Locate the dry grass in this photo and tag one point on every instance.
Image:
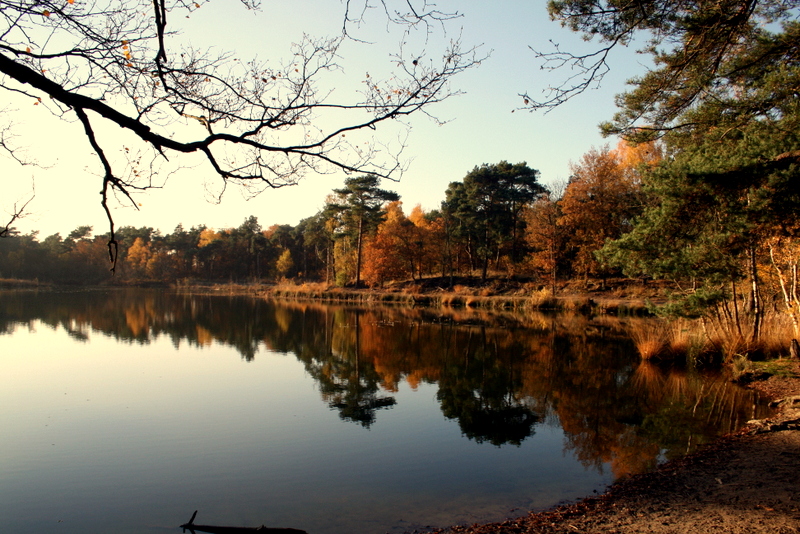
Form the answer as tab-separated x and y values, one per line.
575	303
693	338
412	289
305	287
542	299
486	292
452	300
686	338
739	366
773	340
776	334
649	336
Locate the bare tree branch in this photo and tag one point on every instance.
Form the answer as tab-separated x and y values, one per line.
17	212
257	124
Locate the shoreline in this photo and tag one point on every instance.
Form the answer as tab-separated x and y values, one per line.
495	295
745	482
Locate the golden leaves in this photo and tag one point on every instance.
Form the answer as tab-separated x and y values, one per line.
127	52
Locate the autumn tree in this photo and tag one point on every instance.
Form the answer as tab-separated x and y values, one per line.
599	204
403	247
241	253
138	256
784	258
429	241
256	124
359	206
285	263
284	239
547	238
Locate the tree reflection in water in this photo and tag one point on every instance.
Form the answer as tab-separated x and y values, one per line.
498	376
346	382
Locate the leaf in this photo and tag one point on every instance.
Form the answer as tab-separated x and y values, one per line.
28	49
70	2
46	13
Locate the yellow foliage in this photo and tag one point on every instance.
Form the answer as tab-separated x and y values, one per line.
207	237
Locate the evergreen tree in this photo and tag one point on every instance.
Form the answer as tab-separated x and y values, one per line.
359	205
486	210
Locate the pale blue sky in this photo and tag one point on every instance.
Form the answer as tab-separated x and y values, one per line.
481	127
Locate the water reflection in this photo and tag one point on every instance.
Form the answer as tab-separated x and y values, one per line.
497	376
347	380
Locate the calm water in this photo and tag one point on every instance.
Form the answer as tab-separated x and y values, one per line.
125	411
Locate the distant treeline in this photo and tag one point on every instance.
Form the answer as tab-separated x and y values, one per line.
499	219
727	246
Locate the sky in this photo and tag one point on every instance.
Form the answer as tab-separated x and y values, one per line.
482	125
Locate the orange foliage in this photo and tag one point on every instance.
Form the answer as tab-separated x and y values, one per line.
207	236
401	249
600	202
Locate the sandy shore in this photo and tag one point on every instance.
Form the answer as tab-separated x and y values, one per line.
748	482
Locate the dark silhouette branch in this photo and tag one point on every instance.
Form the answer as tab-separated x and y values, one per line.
17	212
260	124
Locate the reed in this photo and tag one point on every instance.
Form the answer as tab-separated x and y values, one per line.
776	334
542	299
740	365
683	338
650	337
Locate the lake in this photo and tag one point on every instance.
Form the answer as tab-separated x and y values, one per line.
126	410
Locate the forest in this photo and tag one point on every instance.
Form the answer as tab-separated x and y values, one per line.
499	221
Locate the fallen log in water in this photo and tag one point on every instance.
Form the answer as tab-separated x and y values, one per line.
192	527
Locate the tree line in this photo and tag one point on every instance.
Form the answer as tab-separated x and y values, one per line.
498	220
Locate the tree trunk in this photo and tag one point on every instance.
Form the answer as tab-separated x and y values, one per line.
358	251
789	294
755	297
736	309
